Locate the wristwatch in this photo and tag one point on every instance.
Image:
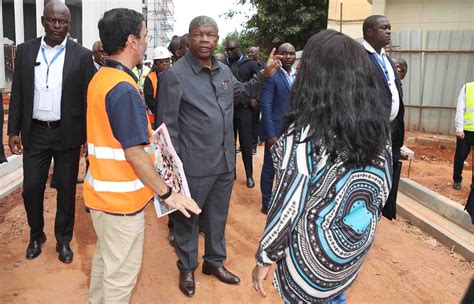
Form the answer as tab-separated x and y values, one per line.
166	195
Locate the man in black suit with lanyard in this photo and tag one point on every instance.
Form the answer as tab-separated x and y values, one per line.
377	34
47	121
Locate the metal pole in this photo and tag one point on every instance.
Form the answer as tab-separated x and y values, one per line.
340	18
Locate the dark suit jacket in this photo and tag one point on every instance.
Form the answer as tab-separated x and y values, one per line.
243	70
398	124
77	72
274	100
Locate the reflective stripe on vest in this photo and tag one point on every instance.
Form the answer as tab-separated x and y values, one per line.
110	153
154	84
469	113
111	184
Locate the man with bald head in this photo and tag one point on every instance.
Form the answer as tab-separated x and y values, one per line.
274	100
47	121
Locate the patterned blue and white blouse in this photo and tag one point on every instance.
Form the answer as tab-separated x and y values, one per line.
322	219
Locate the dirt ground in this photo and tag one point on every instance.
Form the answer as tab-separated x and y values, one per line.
433	166
404	265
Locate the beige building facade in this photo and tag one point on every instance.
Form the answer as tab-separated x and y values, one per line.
426	14
353	14
403	14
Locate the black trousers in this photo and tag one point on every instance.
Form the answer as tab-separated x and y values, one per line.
243	121
45	145
463	147
212	194
255	123
390	208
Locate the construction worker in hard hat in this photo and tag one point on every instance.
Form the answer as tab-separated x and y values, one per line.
161	63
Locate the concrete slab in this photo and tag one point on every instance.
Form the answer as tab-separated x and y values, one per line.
11	182
13	162
445	231
436	202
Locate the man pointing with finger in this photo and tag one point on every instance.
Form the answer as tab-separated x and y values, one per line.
197	98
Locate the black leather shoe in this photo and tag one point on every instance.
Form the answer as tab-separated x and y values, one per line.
65	253
34	248
250	182
221	273
186	283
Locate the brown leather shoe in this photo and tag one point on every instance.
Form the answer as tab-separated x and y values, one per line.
186	283
221	273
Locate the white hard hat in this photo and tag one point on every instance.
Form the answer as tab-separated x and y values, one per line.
161	53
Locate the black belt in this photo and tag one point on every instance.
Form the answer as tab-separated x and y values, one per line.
48	124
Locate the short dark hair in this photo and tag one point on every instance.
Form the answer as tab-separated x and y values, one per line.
203	20
234	40
402	62
183	42
174	44
115	27
370	22
335	95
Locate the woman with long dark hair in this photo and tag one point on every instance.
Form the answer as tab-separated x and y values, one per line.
333	166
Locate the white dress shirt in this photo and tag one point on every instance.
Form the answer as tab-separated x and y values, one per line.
290	77
460	109
391	78
48	89
96	65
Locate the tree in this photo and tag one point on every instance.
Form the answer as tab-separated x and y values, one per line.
279	21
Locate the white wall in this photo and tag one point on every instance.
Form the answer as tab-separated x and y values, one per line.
92	11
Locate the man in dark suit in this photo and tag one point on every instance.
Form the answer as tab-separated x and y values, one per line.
254	53
243	69
377	34
274	100
47	121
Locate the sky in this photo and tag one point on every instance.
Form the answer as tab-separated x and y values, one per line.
186	10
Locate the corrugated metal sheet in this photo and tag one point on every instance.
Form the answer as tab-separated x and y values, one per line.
434	79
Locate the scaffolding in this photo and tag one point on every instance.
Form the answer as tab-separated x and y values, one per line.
160	22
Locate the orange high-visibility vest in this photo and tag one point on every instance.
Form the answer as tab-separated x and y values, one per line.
111	184
154	84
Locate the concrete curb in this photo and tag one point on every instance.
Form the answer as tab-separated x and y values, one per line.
436	202
11	175
453	236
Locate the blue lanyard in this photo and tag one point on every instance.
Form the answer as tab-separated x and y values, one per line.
382	64
50	63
